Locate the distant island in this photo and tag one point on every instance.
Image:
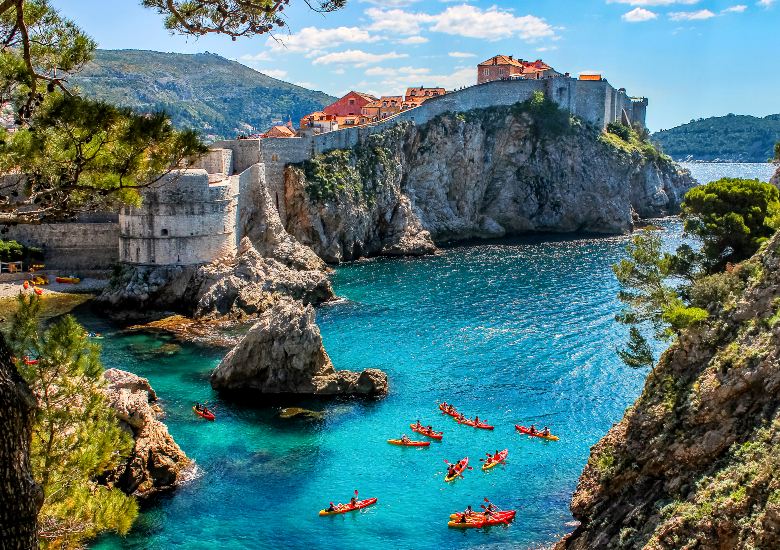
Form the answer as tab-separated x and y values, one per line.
730	138
221	97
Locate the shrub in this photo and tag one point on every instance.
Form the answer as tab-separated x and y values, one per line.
620	130
681	317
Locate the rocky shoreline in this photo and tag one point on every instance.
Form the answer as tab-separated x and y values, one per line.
156	462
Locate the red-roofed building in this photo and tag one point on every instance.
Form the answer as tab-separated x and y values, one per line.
506	67
423	92
349	105
318	123
285	131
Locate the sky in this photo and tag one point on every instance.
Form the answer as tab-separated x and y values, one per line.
691	58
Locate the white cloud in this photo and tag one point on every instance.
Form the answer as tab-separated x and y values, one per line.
357	58
391	3
638	15
314	40
262	56
400	71
691	15
413	40
653	2
766	3
461	55
491	24
546	49
739	8
274	73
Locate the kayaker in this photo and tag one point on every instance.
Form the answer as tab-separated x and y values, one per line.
419	426
331	508
198	407
353	502
451	470
469	510
476	420
463	519
546	431
404	439
532	429
430	429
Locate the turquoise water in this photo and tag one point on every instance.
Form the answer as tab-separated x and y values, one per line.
705	172
516	332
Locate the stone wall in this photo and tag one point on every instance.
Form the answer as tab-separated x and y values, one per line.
183	220
71	247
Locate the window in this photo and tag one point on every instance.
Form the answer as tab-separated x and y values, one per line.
501	71
486	72
164	232
351	101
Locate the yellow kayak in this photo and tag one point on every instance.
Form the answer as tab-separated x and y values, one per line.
496	460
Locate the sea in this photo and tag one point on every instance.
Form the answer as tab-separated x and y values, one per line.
516	331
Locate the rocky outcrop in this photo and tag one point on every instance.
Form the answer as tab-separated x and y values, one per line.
238	286
776	178
156	462
283	354
695	462
486	173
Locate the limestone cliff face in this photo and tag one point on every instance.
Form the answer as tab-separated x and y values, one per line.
486	173
156	462
695	462
776	178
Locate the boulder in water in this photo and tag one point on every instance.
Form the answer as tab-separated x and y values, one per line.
297	412
283	354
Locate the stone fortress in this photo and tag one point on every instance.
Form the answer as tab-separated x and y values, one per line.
197	215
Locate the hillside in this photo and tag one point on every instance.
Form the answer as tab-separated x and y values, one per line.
695	462
219	97
730	138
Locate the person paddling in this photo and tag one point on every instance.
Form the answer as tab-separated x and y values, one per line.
546	431
353	502
532	429
330	508
404	439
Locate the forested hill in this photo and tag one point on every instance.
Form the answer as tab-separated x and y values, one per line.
218	97
739	138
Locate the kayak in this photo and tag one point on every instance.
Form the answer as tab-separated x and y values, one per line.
481	515
477	521
38	291
497	459
208	415
481	425
69	280
452	413
344	508
526	431
401	443
459	467
426	433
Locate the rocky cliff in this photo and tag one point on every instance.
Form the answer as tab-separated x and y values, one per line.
695	462
484	173
776	178
283	354
156	462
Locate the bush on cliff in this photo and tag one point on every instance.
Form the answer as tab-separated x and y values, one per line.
76	436
730	218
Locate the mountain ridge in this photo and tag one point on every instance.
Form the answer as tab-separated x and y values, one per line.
217	96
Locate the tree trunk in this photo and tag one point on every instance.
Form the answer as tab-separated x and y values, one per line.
20	496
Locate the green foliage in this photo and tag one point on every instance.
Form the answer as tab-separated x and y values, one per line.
731	217
548	118
637	353
729	138
777	152
716	290
12	251
620	130
204	90
80	154
681	317
360	170
76	436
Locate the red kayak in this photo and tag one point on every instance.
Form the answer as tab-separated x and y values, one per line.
208	415
452	412
481	425
424	431
344	508
495	459
459	467
527	431
402	443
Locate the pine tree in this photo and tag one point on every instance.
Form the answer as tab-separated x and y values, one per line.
637	353
76	436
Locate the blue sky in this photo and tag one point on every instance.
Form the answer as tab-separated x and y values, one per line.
691	58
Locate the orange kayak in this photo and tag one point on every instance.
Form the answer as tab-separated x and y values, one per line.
402	443
527	431
344	508
459	467
426	433
452	412
496	459
208	415
481	425
479	520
